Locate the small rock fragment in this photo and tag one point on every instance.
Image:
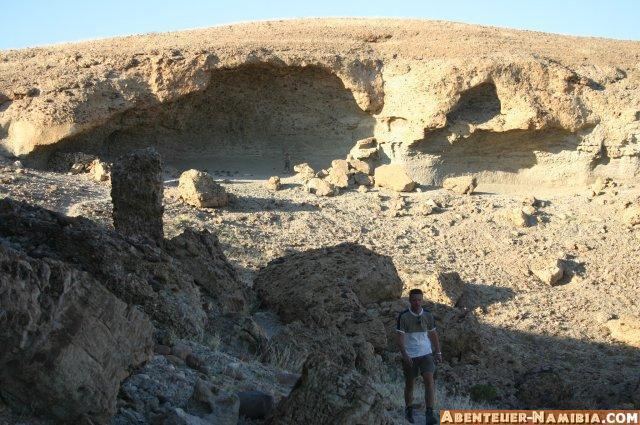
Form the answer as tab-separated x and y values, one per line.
273	183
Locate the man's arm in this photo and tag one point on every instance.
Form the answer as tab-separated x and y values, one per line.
403	349
435	344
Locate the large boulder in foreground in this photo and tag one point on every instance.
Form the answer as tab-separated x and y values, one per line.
329	299
67	342
393	177
135	270
199	189
331	287
329	394
136	192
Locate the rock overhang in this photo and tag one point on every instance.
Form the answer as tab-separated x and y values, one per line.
400	75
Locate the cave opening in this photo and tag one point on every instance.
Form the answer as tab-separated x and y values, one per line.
244	123
477	105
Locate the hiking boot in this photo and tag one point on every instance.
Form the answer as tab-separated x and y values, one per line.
408	414
431	419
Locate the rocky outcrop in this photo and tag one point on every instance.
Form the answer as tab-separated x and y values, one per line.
329	394
136	193
444	99
67	341
135	271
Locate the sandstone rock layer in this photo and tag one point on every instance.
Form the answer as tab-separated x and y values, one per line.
444	99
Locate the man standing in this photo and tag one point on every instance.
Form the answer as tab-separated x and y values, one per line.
418	341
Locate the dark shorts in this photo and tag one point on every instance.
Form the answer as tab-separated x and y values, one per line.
421	365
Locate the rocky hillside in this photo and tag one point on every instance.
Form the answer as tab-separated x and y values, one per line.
443	98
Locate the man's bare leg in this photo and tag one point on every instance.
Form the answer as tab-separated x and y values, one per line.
429	390
408	389
429	397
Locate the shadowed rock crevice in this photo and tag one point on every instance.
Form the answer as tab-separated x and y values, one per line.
477	105
246	119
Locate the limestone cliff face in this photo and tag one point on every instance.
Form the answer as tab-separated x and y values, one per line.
445	99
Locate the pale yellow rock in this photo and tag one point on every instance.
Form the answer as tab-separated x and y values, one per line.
360	166
393	177
338	177
320	187
462	185
518	217
199	189
304	170
365	149
273	183
100	171
631	215
441	98
340	165
626	329
547	271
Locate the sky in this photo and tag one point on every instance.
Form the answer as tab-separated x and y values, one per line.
29	23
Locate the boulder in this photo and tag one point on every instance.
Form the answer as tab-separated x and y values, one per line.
199	189
393	177
338	177
273	183
462	185
67	341
100	171
136	193
340	165
365	149
330	394
626	329
304	170
362	179
359	166
163	393
518	217
320	187
331	287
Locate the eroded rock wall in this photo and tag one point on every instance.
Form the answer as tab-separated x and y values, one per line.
444	99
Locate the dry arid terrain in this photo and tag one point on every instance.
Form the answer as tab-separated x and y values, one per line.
135	294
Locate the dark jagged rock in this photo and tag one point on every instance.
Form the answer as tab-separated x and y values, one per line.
135	271
136	192
67	342
330	394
